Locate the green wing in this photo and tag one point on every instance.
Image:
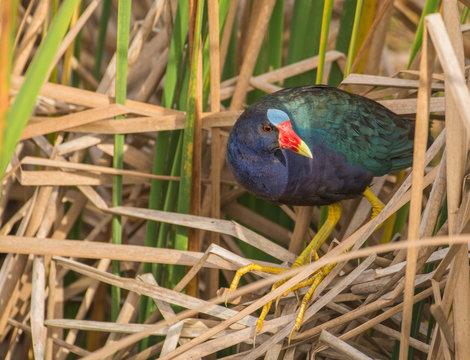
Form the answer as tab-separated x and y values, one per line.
366	132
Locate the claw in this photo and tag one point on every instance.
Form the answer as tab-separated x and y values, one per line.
297	296
277	302
254	338
262	316
290	335
315	254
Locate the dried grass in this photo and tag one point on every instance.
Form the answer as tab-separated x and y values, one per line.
370	288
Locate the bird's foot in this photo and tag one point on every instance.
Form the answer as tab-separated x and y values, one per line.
313	282
267	269
334	214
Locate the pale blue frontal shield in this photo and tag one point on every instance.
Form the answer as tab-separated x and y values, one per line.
277	117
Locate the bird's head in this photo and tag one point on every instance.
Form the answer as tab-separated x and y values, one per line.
267	130
287	138
261	151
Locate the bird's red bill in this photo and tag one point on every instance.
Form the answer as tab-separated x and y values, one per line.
289	140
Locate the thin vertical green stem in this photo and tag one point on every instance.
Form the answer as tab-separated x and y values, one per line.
175	56
124	11
353	41
464	16
105	13
188	139
77	49
343	39
168	205
325	29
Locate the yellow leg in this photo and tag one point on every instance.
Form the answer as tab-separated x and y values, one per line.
334	214
377	205
317	278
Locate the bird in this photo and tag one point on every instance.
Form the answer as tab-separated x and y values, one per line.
315	145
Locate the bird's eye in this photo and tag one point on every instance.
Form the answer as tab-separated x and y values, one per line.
268	128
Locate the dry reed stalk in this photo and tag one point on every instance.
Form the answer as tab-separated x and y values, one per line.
251	53
93	169
302	223
92	99
133	157
457	89
222	226
72	348
26	45
342	346
278	75
377	292
156	74
389	82
421	136
49	125
175	330
190	330
84	307
457	152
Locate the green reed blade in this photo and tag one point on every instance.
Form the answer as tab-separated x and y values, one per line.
325	29
353	41
346	23
162	157
122	47
100	44
429	7
23	106
304	38
181	240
